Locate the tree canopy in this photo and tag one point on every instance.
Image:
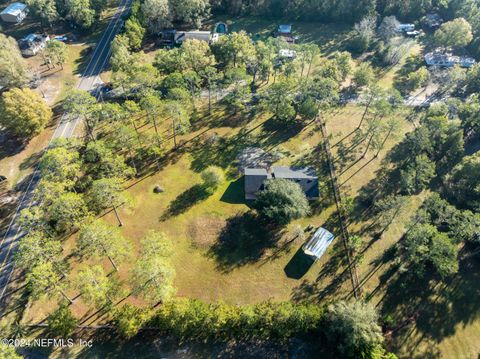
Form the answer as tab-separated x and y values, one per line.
281	201
455	33
352	329
24	113
14	71
425	249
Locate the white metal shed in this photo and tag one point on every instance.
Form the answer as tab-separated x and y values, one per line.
14	12
318	244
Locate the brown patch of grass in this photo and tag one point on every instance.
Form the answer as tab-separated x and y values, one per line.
204	231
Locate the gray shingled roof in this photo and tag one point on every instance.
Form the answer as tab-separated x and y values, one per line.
293	173
255	172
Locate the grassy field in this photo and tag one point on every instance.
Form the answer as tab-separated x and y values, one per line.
221	254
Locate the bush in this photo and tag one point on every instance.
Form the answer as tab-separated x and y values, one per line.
212	177
8	352
412	81
191	318
352	330
62	322
364	75
129	319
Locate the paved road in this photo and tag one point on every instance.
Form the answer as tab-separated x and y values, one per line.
65	128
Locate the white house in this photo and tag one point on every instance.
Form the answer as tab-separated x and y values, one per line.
405	27
207	36
442	59
287	54
14	13
32	44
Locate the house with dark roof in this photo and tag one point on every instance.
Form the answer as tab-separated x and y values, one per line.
255	179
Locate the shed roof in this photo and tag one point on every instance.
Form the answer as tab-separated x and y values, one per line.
294	172
318	244
285	29
15	8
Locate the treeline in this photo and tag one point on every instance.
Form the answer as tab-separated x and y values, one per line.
432	157
349	330
343	10
82	13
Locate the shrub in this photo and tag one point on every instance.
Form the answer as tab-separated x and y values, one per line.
352	330
212	177
363	76
62	322
129	319
191	318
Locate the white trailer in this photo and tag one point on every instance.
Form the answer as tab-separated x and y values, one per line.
405	27
207	36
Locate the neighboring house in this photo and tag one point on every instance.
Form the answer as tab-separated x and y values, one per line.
174	37
14	12
32	44
443	59
287	54
317	245
199	35
433	21
255	179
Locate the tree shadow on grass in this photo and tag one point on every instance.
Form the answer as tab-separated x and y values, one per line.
222	153
275	132
31	160
245	239
186	200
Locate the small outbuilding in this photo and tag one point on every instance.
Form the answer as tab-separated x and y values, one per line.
317	245
285	32
221	28
14	13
